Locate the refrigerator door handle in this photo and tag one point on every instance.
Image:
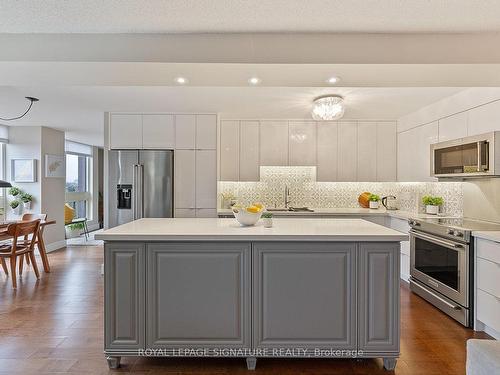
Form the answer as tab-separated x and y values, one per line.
134	192
140	191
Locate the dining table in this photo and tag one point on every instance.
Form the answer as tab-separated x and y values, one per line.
40	241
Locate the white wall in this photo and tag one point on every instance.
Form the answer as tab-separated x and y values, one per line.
470	112
35	142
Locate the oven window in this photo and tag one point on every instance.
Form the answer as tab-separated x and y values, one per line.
437	262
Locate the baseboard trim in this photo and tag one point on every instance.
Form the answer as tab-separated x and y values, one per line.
55	246
493	333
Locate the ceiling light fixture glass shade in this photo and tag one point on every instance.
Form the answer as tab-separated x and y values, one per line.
327	108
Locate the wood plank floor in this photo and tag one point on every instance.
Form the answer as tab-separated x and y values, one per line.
55	326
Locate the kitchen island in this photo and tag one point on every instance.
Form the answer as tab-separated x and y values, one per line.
209	287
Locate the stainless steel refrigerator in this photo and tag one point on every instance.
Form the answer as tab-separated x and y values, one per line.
140	185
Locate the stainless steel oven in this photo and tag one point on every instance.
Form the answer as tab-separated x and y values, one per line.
442	265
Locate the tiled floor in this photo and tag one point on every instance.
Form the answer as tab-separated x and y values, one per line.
55	326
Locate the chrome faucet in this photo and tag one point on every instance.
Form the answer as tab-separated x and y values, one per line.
287	197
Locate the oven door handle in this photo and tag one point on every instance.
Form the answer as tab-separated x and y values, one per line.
448	244
450	305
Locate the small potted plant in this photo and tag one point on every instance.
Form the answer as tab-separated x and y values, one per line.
374	201
267	218
15	206
74	230
432	204
14	191
26	199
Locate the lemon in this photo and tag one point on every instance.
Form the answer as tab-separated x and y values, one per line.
253	209
260	206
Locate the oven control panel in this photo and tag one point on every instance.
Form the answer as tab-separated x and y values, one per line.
440	230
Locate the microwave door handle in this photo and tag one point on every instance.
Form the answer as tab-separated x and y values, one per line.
482	165
479	152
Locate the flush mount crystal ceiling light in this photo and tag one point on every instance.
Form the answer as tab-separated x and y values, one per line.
328	107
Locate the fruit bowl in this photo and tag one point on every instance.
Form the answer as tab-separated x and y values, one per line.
247	216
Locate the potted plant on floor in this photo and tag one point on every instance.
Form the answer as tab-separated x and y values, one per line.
15	206
74	230
432	204
267	218
374	201
26	199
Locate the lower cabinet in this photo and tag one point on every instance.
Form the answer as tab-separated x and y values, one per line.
198	295
304	296
378	297
124	296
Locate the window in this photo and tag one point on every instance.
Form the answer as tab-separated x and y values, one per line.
79	178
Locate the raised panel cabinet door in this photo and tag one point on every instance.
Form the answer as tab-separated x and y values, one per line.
185	132
206	132
249	151
378	297
453	127
348	151
229	150
304	295
198	295
367	151
158	132
327	151
206	179
125	131
274	143
185	179
302	143
124	296
386	151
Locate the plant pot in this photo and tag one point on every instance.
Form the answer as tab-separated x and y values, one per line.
27	206
431	210
72	233
374	204
16	211
268	222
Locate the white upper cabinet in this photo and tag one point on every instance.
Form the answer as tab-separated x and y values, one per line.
206	132
206	179
125	131
348	152
302	143
229	150
274	143
414	153
158	131
327	151
453	127
249	168
367	151
386	151
185	132
484	119
185	179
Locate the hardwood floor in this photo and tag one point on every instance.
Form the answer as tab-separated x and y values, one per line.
56	325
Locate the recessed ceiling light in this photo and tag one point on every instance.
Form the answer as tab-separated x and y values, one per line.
333	80
254	80
181	80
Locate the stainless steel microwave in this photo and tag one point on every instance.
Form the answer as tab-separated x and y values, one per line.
475	156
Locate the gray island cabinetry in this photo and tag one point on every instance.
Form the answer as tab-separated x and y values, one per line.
208	287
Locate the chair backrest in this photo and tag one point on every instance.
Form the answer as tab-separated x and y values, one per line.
30	217
23	228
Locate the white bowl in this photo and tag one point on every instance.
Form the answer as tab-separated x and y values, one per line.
246	218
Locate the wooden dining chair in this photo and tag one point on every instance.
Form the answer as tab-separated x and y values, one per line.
30	217
18	248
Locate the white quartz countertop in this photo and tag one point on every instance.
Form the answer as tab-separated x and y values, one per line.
487	235
400	214
286	229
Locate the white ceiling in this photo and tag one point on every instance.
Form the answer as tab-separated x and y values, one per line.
184	16
78	110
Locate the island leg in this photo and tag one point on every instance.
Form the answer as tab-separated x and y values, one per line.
113	362
390	363
251	363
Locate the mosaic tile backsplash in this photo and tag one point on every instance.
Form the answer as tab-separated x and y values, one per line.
306	192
